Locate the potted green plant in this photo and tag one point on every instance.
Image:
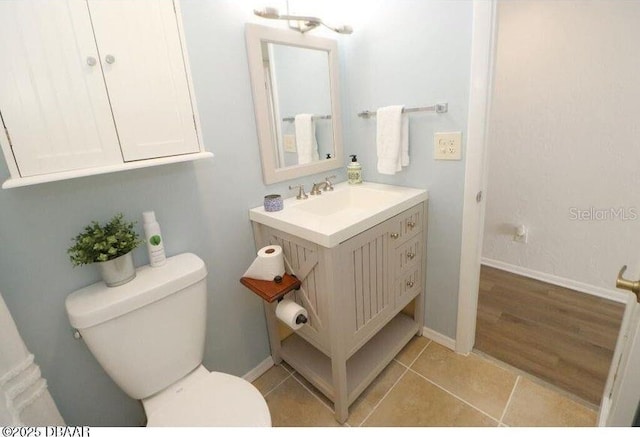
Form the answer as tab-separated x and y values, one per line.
109	246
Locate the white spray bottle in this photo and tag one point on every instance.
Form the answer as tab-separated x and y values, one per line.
155	244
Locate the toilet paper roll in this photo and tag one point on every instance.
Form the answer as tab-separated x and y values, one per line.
292	314
268	264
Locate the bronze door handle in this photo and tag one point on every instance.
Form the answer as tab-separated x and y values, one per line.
625	284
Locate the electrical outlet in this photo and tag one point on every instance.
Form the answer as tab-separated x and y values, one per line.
289	143
447	145
520	234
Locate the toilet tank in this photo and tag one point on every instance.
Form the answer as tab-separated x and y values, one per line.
149	332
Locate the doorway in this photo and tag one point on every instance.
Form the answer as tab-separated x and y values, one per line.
563	114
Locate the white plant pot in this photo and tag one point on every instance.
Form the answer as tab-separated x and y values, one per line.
117	271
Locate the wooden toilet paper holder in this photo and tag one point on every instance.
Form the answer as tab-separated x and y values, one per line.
272	290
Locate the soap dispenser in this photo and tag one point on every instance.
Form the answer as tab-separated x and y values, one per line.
354	171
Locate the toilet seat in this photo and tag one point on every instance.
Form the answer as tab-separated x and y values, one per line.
204	399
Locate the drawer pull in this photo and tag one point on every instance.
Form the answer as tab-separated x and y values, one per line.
411	225
395	235
411	255
410	284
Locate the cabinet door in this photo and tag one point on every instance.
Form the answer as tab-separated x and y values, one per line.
144	69
53	102
366	284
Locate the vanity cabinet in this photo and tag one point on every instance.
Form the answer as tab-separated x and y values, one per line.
93	86
364	298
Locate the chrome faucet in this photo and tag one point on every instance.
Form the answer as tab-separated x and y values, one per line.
316	188
329	186
325	185
301	194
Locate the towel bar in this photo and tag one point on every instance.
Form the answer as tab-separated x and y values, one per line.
440	108
315	117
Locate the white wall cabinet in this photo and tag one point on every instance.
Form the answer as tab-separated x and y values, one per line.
93	86
358	296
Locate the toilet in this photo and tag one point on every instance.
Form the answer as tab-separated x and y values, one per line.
149	336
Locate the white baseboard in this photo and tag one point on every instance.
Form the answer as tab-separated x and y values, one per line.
255	373
441	339
614	295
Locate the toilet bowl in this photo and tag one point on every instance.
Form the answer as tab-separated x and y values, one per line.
149	337
206	398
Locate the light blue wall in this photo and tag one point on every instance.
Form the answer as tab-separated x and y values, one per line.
411	52
417	53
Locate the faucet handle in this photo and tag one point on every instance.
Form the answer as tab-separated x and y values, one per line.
329	185
301	194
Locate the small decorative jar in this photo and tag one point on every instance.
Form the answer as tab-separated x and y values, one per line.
273	202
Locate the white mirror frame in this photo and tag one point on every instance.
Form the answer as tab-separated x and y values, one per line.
255	36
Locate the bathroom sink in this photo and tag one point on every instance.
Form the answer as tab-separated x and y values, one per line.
349	201
335	216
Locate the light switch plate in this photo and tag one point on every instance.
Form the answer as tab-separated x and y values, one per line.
448	145
289	143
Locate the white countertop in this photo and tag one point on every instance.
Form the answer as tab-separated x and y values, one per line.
335	216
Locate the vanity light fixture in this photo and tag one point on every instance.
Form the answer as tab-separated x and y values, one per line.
304	24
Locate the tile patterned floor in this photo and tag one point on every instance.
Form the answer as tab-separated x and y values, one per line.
429	385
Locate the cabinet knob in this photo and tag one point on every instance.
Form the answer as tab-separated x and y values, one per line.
394	235
410	284
109	59
91	61
411	225
411	255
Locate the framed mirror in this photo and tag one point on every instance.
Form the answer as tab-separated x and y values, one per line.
294	80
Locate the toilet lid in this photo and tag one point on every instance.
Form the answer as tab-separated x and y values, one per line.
208	399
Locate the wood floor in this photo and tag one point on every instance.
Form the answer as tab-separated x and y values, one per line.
561	336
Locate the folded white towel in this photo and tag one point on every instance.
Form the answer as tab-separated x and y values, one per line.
392	139
306	139
24	398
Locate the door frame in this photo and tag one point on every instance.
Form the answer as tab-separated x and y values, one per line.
619	402
473	212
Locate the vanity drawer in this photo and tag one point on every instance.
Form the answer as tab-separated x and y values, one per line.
407	224
408	286
408	256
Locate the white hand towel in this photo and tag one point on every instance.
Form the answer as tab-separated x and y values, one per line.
404	146
306	139
24	398
392	139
